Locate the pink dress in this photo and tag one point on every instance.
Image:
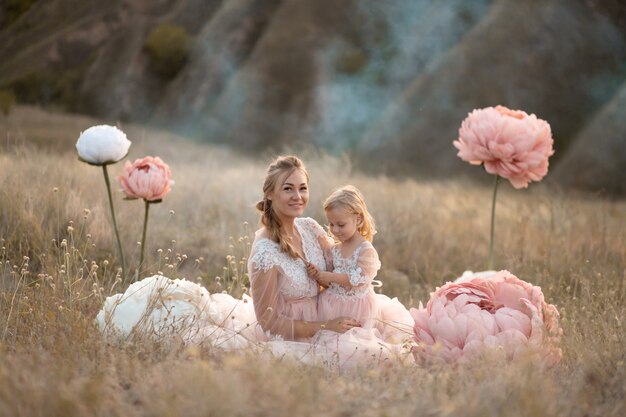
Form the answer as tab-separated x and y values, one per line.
358	302
280	287
388	316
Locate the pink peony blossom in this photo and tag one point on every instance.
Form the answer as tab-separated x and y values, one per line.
510	143
485	310
148	178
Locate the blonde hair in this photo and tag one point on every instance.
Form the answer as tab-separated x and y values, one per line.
349	198
281	165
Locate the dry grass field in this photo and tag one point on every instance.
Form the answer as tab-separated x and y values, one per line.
58	263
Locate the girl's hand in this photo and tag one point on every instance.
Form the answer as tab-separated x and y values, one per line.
322	279
342	324
312	271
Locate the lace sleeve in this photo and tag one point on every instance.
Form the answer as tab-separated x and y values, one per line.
366	266
264	288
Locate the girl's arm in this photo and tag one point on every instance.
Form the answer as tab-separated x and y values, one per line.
360	275
326	278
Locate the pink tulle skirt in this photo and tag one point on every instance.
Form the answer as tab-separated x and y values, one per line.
331	305
374	311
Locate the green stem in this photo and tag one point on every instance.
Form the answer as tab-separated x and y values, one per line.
493	221
143	237
117	233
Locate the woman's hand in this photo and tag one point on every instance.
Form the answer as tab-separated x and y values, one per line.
341	324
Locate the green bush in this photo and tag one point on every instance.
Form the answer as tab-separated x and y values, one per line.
168	49
49	87
7	100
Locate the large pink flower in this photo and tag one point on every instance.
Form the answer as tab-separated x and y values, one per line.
486	310
510	143
149	178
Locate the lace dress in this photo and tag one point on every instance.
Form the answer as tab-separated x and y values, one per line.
280	287
385	323
391	321
358	302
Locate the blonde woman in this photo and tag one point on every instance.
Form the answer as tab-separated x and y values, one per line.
284	296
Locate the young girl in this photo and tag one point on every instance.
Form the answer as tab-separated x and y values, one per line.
353	261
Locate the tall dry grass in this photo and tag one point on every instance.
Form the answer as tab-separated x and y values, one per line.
58	265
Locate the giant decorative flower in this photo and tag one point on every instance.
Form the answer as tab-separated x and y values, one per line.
159	307
486	310
510	143
101	145
149	178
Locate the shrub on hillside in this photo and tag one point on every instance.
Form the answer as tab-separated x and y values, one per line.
7	99
168	48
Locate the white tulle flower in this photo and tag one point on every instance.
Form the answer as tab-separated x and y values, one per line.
102	144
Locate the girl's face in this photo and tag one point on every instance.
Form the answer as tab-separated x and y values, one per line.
291	195
342	224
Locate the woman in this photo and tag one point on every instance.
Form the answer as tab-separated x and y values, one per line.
284	297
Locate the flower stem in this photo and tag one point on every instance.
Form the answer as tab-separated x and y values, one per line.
143	236
493	221
117	233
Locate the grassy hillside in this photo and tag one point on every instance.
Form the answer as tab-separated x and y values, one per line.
53	358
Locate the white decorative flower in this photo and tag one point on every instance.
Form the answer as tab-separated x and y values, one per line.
103	144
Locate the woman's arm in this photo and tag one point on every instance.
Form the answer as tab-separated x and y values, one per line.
268	304
304	329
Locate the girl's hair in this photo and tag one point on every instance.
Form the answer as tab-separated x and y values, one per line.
349	198
278	168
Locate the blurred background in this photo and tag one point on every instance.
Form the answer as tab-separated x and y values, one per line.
386	82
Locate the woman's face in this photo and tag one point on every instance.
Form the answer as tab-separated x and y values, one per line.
290	195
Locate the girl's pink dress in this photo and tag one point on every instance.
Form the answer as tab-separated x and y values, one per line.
374	311
358	302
